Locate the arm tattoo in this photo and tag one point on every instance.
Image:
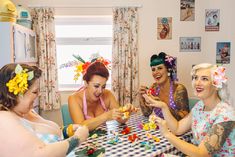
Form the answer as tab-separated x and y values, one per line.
181	99
73	142
217	135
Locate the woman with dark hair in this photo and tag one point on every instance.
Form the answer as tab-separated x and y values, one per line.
93	105
211	120
21	127
165	88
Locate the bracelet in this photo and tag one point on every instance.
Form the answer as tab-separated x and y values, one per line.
70	131
64	130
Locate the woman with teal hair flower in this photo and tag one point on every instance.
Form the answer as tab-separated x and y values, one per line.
212	119
165	88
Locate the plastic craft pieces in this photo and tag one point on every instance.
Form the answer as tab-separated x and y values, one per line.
126	113
91	150
97	133
156	139
133	138
114	140
148	145
149	126
151	91
126	130
152	118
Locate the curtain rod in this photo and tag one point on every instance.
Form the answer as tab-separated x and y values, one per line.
85	6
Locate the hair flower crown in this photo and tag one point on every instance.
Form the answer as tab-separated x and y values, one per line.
219	77
81	65
19	84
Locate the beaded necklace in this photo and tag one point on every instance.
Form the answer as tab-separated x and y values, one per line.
158	111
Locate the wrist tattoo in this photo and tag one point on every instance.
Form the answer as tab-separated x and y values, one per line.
73	142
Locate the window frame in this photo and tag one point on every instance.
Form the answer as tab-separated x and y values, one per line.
82	20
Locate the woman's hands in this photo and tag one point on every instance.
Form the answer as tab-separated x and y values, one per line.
130	108
150	101
162	126
114	114
120	113
81	132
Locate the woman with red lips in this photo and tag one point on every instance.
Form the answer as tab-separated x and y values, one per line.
212	119
93	105
165	88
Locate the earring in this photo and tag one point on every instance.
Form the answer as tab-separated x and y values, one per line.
168	74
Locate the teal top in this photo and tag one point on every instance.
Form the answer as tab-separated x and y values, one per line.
46	138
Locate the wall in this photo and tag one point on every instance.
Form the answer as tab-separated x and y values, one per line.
148	43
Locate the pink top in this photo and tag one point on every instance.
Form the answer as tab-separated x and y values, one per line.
85	106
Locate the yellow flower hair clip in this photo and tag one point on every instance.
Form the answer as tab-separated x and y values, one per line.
19	84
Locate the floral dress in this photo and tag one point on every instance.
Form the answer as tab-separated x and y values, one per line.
202	122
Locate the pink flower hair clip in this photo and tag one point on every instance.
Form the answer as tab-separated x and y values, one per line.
219	77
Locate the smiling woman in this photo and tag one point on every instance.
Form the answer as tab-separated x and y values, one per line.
93	105
19	87
165	89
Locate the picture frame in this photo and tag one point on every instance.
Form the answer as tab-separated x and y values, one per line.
223	52
187	10
212	19
190	44
164	28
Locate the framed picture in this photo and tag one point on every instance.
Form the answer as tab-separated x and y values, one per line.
212	20
190	44
223	50
164	28
187	10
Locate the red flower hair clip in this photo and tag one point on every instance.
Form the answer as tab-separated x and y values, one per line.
82	66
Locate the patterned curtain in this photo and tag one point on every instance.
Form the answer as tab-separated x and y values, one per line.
43	25
125	61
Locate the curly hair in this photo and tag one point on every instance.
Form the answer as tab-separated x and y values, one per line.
96	68
162	58
9	100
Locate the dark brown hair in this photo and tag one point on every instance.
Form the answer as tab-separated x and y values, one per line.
9	100
96	68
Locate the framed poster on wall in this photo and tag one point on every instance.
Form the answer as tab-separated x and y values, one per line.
212	20
164	28
223	52
190	44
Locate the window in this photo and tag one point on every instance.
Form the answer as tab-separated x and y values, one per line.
85	36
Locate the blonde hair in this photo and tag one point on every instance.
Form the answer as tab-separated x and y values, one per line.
222	92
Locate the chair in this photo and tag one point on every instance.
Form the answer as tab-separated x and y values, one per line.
192	102
65	115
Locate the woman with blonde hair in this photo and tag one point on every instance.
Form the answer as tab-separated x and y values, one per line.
212	119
